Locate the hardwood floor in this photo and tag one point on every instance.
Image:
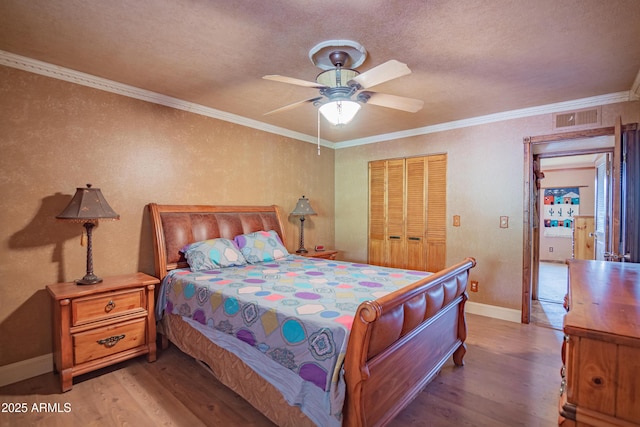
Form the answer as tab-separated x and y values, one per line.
510	378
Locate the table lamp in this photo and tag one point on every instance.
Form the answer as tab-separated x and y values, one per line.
302	208
88	206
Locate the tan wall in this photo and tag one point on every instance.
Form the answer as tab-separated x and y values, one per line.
56	136
583	178
485	181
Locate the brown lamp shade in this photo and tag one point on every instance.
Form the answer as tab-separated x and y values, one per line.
88	205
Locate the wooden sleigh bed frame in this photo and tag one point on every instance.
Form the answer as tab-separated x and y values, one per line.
398	343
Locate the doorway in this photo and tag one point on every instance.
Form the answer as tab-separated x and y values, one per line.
571	146
567	205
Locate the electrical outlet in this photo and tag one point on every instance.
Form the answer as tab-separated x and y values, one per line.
456	220
550	248
474	286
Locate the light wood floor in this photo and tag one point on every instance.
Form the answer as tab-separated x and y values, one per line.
553	279
510	378
548	310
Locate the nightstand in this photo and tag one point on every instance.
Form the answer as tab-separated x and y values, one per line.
98	325
327	254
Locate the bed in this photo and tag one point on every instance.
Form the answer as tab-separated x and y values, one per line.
383	350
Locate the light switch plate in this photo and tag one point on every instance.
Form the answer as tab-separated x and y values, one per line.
504	222
456	220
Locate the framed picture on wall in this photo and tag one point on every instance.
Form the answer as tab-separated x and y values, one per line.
559	208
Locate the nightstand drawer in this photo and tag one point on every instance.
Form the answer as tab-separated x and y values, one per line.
90	309
109	340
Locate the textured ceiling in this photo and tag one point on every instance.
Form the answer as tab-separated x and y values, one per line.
468	58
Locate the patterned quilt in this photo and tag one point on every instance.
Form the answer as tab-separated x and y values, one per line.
298	311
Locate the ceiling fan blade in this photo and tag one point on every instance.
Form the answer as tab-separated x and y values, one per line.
410	105
382	73
293	81
294	105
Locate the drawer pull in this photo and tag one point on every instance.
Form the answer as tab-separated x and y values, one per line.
110	306
394	237
414	238
111	341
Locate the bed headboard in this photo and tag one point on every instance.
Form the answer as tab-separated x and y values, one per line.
177	225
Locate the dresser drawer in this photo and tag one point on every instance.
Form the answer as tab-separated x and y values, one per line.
102	342
104	306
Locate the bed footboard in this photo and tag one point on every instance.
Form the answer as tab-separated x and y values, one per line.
398	344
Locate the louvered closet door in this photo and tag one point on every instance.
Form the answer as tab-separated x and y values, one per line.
395	214
415	213
377	208
407	212
436	193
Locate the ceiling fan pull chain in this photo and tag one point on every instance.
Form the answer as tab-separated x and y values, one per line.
318	132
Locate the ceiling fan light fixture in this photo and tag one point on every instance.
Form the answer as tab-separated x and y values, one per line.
340	112
342	88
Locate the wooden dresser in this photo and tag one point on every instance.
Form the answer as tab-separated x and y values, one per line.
601	349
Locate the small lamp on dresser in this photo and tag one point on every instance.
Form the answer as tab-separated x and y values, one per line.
88	206
302	208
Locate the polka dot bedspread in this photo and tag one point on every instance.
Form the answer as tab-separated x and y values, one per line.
296	310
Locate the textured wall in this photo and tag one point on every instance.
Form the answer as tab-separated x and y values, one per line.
56	136
485	180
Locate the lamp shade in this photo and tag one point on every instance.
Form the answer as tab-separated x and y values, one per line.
88	205
340	112
303	207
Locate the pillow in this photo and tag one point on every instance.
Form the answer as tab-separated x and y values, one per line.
261	246
212	254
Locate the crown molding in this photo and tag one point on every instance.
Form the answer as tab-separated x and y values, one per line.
43	68
594	101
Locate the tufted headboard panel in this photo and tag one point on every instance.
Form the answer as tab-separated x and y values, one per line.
175	226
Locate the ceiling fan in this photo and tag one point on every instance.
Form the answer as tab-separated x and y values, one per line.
342	89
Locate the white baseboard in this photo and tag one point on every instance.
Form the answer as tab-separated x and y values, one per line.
25	369
494	311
